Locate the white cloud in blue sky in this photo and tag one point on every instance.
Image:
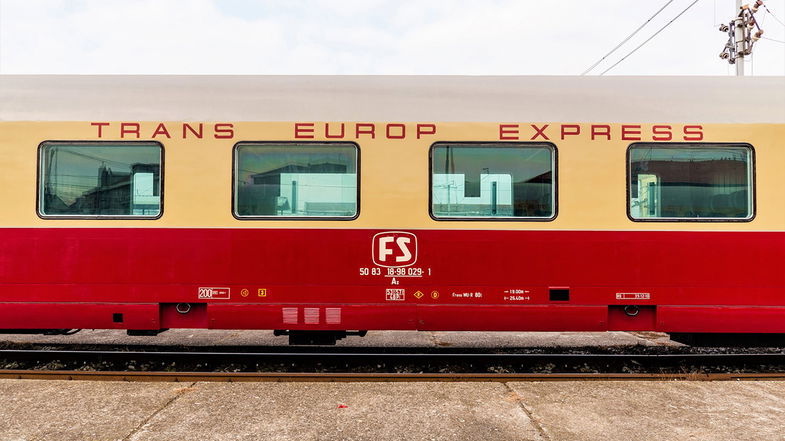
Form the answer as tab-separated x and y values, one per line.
368	37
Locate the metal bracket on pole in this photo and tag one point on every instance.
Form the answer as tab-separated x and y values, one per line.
740	36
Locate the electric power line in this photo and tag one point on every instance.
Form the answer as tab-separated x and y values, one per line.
626	39
772	39
649	39
772	14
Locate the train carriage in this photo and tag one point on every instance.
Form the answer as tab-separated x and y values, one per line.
324	206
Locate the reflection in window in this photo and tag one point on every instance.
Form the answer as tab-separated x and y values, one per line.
492	181
690	181
302	180
117	179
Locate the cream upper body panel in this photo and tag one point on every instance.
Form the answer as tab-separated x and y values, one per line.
394	171
392	98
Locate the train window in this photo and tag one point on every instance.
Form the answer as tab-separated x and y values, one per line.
296	180
509	181
701	182
100	179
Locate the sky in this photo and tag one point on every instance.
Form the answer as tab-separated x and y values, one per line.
424	37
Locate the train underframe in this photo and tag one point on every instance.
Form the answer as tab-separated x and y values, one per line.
695	325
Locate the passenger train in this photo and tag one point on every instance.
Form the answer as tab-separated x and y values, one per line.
320	207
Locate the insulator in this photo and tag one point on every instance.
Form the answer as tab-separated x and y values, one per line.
724	28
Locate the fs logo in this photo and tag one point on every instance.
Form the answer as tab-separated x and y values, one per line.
394	248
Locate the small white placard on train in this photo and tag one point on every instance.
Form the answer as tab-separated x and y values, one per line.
214	293
395	295
633	296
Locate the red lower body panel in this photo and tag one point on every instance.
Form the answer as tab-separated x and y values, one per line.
343	279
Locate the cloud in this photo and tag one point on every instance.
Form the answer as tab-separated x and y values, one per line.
365	37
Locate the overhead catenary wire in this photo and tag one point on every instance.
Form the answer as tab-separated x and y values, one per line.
772	14
650	38
772	39
626	39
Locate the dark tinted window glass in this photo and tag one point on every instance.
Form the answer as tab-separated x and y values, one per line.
690	182
296	180
100	180
492	181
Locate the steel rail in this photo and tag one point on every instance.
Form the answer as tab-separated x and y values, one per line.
382	357
246	356
369	377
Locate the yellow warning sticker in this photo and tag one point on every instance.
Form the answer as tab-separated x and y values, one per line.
244	292
262	292
434	295
418	294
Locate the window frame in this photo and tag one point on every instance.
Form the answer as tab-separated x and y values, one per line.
752	181
503	144
233	193
40	179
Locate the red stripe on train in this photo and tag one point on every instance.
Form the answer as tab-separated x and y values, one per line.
482	280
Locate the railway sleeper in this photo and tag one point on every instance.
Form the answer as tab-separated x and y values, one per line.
316	337
728	339
40	331
145	332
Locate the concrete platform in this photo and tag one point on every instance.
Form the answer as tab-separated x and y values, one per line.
586	411
201	337
716	411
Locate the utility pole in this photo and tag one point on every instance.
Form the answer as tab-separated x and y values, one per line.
740	36
738	29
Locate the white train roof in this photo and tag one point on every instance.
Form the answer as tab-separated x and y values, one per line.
392	98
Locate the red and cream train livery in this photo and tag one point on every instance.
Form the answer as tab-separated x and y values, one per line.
317	206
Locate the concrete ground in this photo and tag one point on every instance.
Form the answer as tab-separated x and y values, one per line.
201	337
580	411
81	410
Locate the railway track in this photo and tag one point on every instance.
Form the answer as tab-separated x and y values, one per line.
377	365
369	377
